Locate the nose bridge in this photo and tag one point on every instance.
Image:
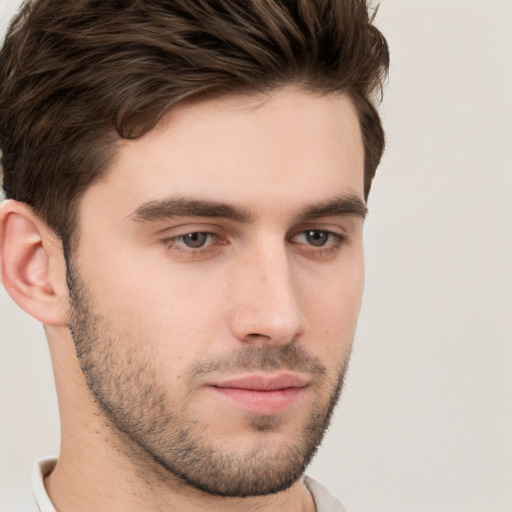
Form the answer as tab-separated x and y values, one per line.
268	303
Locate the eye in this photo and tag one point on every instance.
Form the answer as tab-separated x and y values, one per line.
195	240
317	237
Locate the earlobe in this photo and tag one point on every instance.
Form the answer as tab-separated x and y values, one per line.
29	256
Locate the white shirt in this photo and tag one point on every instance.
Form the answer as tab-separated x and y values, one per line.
35	498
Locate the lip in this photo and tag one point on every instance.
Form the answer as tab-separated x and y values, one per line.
262	394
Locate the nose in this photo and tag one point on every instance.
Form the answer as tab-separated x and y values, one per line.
267	303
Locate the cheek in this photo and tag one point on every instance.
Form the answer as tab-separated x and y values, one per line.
176	314
334	307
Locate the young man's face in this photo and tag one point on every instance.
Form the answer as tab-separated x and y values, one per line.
217	282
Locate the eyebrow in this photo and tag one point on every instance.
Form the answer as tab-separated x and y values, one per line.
339	206
175	207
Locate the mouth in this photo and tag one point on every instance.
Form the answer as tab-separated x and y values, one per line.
262	394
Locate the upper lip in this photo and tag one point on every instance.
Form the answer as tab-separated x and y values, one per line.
263	382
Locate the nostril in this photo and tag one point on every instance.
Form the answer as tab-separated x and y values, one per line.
255	337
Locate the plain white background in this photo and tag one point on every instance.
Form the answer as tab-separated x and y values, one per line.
425	422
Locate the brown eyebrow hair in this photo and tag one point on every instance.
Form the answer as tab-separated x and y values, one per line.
189	207
344	205
175	207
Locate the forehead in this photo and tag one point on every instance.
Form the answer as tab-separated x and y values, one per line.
280	148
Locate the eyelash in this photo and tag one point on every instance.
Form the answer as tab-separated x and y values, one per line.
333	244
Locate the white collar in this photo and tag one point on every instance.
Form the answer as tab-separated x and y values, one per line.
42	468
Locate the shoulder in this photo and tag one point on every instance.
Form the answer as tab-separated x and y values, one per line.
324	501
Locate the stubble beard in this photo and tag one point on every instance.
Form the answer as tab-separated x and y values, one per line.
139	410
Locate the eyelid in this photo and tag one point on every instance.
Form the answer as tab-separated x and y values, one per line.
334	229
181	235
184	228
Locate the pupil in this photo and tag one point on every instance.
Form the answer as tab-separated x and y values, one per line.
195	240
317	238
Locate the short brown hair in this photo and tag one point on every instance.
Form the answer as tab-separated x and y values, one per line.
77	75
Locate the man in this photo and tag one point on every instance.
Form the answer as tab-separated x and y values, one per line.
186	185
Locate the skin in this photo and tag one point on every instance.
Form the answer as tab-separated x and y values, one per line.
259	284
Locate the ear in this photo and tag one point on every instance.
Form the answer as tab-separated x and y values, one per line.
32	264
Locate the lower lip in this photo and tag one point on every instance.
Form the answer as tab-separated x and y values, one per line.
261	402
